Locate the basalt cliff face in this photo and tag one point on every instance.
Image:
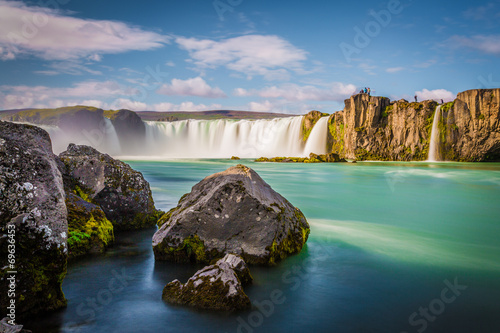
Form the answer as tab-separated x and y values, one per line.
374	128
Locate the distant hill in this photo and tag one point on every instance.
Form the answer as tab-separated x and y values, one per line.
208	115
51	116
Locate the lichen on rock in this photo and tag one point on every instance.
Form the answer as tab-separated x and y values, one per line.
32	196
121	192
233	211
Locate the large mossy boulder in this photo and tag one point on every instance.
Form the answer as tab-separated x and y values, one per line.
90	232
122	193
234	211
215	287
33	218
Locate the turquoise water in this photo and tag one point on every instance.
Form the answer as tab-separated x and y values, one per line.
387	242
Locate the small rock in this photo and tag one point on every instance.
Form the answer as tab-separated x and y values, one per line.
215	287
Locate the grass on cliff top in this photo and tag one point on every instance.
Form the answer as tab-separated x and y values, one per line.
46	115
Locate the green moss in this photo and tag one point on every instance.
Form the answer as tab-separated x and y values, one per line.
41	267
84	194
337	137
191	249
447	106
89	229
387	110
360	129
364	155
481	117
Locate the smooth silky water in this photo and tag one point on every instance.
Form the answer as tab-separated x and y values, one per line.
384	239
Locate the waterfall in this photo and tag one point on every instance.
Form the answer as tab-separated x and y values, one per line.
103	138
434	144
112	142
224	138
191	138
316	143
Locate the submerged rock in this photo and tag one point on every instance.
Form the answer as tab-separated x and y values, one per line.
233	211
90	232
33	218
122	193
215	287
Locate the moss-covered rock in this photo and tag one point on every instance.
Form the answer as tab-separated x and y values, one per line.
313	158
33	218
309	121
215	287
233	211
121	192
90	232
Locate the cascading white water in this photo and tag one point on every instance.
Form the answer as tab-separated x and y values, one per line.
221	138
112	142
316	143
434	143
104	138
225	138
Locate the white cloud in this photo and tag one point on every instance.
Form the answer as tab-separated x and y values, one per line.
436	94
269	56
123	103
486	44
336	91
394	69
190	87
265	106
185	106
16	97
51	35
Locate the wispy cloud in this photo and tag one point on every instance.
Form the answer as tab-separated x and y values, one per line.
16	97
185	106
291	92
435	94
190	87
52	35
489	44
269	56
394	69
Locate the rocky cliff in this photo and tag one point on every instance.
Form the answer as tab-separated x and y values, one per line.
374	128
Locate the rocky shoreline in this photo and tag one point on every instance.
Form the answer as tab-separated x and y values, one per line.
68	206
58	208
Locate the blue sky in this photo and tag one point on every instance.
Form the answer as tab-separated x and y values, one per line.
242	54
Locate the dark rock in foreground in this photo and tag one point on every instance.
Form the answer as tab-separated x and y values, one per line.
122	193
233	211
32	204
313	158
215	287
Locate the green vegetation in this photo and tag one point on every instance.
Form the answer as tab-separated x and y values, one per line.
387	110
336	137
447	106
47	116
360	129
89	229
481	117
